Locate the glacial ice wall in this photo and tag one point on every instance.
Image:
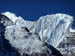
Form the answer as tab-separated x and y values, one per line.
52	28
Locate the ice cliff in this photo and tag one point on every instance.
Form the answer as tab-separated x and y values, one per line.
24	34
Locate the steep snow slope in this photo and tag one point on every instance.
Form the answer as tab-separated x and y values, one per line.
52	28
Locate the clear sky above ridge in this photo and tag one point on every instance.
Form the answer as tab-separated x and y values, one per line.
33	9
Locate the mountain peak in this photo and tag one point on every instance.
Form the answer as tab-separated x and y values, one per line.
11	16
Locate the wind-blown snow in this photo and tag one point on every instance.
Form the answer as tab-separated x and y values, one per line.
50	28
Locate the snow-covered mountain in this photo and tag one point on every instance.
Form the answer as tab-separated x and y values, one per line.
50	28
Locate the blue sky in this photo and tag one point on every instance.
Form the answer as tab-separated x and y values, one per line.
33	9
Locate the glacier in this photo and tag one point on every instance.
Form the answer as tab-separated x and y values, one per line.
51	29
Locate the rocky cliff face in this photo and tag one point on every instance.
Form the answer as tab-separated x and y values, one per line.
21	36
67	46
